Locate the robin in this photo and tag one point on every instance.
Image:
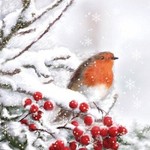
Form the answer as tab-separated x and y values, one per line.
93	78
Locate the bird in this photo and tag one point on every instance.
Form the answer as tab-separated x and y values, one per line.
93	78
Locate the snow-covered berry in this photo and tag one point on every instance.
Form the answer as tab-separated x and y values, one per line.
115	146
34	108
32	127
95	131
77	132
37	96
24	121
84	107
85	139
122	130
73	104
113	131
104	131
27	102
74	122
106	143
107	121
48	105
73	145
36	117
88	120
98	145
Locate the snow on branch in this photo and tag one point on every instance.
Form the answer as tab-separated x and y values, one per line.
43	33
23	21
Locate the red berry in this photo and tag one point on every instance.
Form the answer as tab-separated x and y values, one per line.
95	131
39	112
24	121
75	123
122	130
77	132
32	127
85	139
27	102
112	140
59	144
113	131
98	145
84	107
36	116
34	108
104	131
73	104
37	96
115	146
73	145
48	105
52	147
107	121
106	143
88	120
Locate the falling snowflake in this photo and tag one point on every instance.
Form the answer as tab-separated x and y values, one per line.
137	104
136	55
130	84
86	42
96	17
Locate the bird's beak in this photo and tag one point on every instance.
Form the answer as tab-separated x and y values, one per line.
115	58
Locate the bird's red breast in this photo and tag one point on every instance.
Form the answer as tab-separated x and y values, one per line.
100	72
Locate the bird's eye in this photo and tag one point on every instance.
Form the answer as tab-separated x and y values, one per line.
102	57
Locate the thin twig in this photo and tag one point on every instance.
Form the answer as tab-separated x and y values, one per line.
113	104
43	130
41	35
99	109
47	10
24	116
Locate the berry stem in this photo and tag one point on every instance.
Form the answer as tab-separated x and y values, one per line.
24	116
43	130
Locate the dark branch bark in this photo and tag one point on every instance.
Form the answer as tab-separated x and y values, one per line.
16	71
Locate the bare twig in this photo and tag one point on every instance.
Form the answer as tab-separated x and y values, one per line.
113	104
41	35
99	109
64	127
43	130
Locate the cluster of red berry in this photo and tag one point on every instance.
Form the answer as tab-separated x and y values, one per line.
100	135
86	132
35	111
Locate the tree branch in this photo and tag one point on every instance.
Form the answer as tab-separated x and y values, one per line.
41	35
20	24
113	104
16	71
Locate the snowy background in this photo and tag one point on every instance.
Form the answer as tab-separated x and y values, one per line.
121	27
